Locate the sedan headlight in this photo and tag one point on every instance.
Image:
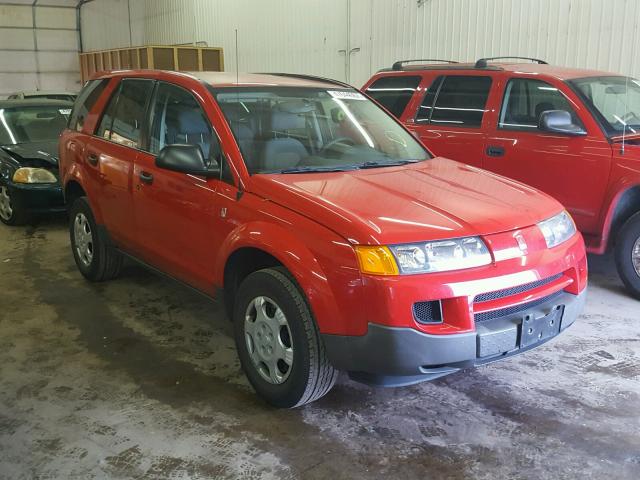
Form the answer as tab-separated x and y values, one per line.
429	257
34	175
558	229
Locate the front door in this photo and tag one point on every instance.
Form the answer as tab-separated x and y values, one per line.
176	213
450	119
573	169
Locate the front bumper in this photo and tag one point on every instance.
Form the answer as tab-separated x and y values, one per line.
37	197
395	356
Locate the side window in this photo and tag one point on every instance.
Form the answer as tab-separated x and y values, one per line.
123	117
525	100
394	93
460	101
178	118
85	102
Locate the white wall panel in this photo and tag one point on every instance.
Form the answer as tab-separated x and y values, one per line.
305	35
42	58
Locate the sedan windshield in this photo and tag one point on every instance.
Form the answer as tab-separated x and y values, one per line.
31	124
289	130
615	100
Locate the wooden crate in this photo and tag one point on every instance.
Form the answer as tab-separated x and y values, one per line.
183	58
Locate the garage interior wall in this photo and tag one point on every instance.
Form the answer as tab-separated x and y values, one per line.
38	46
312	36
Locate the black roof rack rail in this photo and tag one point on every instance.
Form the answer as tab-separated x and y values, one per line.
398	65
309	77
482	62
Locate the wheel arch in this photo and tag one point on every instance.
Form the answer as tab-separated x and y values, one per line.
625	205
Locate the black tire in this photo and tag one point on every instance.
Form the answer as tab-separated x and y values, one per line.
627	241
15	215
105	262
311	375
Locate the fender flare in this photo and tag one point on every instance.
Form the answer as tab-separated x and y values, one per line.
292	253
622	187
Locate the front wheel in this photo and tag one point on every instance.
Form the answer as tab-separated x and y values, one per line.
10	212
278	342
628	255
95	257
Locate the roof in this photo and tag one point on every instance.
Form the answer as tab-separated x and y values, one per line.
35	102
232	79
562	73
38	93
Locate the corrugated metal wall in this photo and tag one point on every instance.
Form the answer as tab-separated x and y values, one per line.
38	46
311	36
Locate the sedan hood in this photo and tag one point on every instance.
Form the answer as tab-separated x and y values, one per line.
430	200
44	151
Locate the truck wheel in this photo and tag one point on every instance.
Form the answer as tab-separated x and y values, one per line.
96	259
628	255
278	342
10	213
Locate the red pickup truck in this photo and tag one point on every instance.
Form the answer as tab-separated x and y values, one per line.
574	134
335	238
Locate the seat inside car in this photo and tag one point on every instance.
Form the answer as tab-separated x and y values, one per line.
280	150
188	126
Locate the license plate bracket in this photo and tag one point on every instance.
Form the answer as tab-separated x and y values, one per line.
537	329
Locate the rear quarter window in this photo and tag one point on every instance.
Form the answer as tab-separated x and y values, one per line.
394	93
85	102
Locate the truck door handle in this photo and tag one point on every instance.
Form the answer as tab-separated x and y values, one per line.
494	151
146	177
93	159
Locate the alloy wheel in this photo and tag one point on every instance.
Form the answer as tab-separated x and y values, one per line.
268	338
83	237
635	256
6	210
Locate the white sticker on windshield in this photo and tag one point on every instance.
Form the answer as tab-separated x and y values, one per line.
341	94
65	111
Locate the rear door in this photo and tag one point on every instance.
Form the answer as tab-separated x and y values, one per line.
573	169
451	117
110	155
394	92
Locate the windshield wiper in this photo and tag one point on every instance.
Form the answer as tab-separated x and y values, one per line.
394	163
342	168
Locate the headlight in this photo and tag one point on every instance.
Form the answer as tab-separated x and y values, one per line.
558	229
34	175
439	256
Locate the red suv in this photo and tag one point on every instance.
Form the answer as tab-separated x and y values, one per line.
574	134
336	240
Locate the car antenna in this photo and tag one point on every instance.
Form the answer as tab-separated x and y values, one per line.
240	185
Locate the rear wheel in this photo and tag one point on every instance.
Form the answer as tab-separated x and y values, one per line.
10	212
628	255
96	259
278	342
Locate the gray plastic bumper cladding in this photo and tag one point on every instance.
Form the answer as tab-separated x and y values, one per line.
393	356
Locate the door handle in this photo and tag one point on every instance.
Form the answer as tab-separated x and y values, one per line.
494	151
93	159
146	177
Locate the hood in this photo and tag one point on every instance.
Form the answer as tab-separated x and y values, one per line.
44	151
430	200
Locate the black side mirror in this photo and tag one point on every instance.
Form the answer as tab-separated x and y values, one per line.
186	159
559	121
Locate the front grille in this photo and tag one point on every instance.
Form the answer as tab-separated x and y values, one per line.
483	317
507	292
428	312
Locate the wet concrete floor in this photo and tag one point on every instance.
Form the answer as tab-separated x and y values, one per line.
138	378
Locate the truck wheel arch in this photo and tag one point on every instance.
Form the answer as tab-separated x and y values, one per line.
624	206
259	245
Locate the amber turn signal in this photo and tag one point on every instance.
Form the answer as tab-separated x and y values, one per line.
376	260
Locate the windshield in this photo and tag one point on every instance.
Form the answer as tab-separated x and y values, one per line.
616	101
31	124
289	130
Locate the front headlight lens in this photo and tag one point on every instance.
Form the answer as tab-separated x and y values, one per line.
558	229
34	175
441	256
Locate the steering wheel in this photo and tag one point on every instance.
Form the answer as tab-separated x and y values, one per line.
336	141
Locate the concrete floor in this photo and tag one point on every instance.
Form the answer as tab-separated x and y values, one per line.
139	378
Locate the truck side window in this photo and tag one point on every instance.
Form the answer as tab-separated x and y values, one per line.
85	102
179	118
525	100
394	93
459	101
122	121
